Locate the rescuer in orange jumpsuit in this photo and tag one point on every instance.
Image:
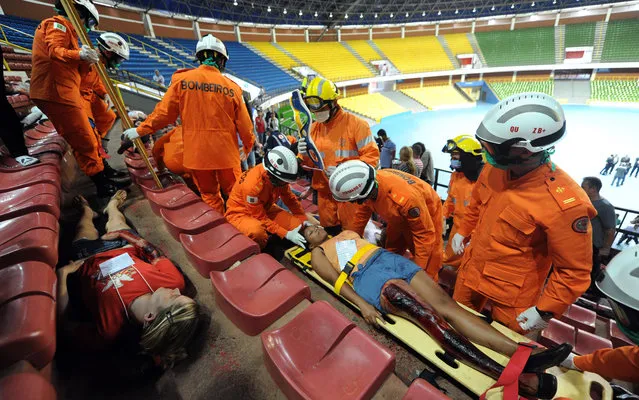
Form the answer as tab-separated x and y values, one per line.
526	215
251	206
113	51
58	65
339	136
466	162
619	282
168	151
213	113
411	207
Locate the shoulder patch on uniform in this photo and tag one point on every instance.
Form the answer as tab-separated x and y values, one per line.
414	212
580	225
398	198
59	26
252	200
564	195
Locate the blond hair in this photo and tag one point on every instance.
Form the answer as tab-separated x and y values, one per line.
167	335
406	156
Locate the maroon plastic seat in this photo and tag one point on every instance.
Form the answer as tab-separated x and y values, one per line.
217	248
586	343
14	178
422	390
173	197
46	128
39	134
556	333
257	293
30	142
580	318
44	197
321	355
47	148
27	312
48	124
26	386
165	178
30	237
193	218
617	337
138	163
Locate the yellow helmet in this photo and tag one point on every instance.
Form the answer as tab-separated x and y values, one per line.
319	92
304	85
465	143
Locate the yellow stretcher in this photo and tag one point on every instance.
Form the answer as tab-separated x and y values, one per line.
571	384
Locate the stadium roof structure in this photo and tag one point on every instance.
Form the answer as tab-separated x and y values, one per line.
332	13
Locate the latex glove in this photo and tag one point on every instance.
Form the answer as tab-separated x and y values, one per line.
296	237
329	171
569	362
25	161
107	99
302	148
131	134
89	55
531	320
458	243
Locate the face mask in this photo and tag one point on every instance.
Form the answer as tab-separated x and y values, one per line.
455	164
490	160
322	116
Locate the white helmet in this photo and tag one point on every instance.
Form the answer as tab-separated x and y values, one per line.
93	12
281	162
210	42
533	121
115	43
619	282
352	180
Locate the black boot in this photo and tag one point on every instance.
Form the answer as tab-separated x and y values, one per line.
113	173
548	358
104	186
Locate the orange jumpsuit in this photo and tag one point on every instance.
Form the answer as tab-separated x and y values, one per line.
213	114
168	151
413	212
55	89
621	363
344	137
459	194
252	210
93	92
525	226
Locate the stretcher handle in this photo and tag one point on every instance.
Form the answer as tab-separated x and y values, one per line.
72	13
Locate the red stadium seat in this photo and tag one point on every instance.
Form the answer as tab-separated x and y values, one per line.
192	219
165	178
54	147
422	390
173	197
257	293
617	337
37	134
31	237
138	163
26	386
48	124
321	355
52	139
27	312
46	128
14	178
217	248
580	318
44	197
587	342
556	333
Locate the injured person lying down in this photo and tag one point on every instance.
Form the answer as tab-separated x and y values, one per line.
121	285
381	281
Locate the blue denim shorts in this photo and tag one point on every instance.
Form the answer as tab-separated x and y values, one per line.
379	269
84	248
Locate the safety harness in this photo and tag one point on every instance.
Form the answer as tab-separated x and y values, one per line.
351	266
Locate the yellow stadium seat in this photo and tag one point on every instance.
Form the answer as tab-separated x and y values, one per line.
435	97
274	54
415	54
374	106
330	59
364	50
459	44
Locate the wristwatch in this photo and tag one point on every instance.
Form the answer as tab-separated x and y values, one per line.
546	315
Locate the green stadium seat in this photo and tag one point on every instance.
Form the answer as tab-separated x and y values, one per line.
532	46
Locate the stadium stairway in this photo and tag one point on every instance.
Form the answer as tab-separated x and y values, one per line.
448	51
360	58
405	101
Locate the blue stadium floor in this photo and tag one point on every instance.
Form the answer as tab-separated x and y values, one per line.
593	133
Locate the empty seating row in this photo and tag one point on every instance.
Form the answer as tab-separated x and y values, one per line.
583	342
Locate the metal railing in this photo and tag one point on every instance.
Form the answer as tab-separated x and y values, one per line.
5	39
154	50
124	76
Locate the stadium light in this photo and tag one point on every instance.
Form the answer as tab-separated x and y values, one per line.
268	9
456	11
533	4
375	15
361	16
406	15
554	1
474	9
423	13
345	16
439	12
330	15
512	6
300	13
285	12
492	8
316	14
392	15
234	2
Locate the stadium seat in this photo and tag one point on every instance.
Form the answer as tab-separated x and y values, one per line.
556	333
173	197
36	134
27	312
580	318
44	197
14	178
54	147
51	139
217	248
321	355
31	237
138	163
586	343
192	219
422	390
257	293
25	383
45	127
617	338
166	179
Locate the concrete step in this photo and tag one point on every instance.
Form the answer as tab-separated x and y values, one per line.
382	55
476	49
449	52
354	53
405	101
